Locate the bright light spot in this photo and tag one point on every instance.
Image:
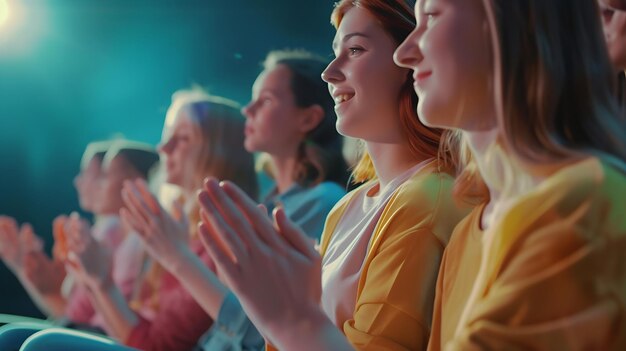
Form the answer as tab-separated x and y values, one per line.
4	12
21	26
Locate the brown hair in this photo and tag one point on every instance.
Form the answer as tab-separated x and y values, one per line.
554	81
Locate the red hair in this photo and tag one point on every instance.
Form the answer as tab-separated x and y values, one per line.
397	19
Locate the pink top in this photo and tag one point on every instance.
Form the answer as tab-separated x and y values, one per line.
343	261
179	322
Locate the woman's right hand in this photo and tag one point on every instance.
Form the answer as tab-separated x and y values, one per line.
15	242
165	236
44	274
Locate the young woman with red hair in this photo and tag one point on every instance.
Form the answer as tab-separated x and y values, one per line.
383	242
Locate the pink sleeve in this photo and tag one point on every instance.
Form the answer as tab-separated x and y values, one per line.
179	323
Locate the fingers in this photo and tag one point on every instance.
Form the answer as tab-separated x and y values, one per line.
133	222
59	250
9	240
148	198
8	228
77	233
178	211
294	235
262	224
134	202
227	209
221	233
225	261
30	241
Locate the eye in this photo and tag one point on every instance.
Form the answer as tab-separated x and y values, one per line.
429	15
355	50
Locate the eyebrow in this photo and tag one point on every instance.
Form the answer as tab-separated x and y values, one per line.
348	36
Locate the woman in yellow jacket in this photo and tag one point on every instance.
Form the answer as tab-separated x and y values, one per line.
382	243
541	264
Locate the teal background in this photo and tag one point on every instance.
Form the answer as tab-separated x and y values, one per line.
73	71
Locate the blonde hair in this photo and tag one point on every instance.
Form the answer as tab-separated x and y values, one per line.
221	126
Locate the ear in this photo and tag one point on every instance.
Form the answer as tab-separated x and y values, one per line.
310	118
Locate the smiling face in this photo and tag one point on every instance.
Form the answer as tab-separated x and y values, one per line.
364	81
450	54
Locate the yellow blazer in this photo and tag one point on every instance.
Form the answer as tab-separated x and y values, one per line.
553	273
396	290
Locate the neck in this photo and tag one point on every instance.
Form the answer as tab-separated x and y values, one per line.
284	171
504	177
390	160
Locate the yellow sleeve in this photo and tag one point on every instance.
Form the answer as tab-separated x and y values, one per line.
560	286
396	289
394	310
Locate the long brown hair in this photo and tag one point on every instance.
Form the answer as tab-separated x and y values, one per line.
397	19
554	81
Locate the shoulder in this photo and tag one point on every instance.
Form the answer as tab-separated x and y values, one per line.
590	193
426	202
425	189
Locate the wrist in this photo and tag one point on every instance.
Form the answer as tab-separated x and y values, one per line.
104	284
298	326
178	261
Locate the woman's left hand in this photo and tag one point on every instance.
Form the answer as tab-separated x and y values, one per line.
165	236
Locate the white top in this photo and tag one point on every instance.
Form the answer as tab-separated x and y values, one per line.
343	261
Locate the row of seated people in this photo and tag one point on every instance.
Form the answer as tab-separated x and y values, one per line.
489	215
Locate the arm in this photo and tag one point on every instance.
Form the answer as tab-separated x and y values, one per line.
167	240
92	265
394	305
165	237
21	251
42	278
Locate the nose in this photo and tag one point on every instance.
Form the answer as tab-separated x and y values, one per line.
167	146
409	54
248	110
332	73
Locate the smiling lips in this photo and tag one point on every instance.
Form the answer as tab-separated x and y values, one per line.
341	98
419	77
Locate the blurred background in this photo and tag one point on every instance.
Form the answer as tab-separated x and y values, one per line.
74	71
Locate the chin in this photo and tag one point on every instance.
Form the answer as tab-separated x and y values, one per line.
345	129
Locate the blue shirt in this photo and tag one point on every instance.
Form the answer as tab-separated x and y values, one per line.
307	207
